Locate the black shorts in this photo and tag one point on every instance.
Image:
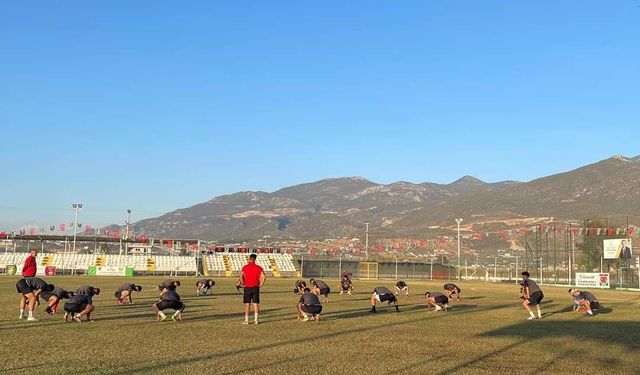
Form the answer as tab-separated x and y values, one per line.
346	286
251	295
536	298
441	299
311	309
74	307
387	298
46	295
176	305
22	287
325	291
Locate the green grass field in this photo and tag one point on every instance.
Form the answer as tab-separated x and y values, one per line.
486	332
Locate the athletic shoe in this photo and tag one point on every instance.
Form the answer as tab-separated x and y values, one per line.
32	319
305	318
173	317
21	317
245	322
373	311
349	293
255	322
162	318
66	316
438	308
532	318
587	315
340	292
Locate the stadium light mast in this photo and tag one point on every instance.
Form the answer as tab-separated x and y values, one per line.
126	237
77	207
366	239
458	221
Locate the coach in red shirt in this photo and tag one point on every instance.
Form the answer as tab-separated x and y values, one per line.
30	265
252	277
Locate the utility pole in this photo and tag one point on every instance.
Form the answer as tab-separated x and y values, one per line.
77	207
458	221
366	239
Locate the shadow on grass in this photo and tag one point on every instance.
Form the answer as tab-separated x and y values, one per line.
30	367
459	307
627	332
159	367
414	366
472	298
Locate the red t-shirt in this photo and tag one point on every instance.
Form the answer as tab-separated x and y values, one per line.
30	268
252	273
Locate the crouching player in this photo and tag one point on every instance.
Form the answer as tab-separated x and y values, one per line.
401	286
88	290
382	294
168	285
78	306
53	298
29	289
169	299
450	289
437	300
125	291
584	301
319	287
203	287
345	285
299	287
309	304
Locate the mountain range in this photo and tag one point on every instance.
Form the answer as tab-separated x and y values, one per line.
340	207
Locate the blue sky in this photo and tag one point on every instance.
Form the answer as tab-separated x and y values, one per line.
155	106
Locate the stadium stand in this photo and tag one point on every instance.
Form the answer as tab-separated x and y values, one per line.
218	264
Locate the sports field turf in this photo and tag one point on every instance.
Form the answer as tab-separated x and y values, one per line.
486	332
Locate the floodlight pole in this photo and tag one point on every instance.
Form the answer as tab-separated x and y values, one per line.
126	237
459	221
366	239
77	207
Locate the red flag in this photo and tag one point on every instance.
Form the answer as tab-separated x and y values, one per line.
62	227
3	234
32	231
631	231
87	228
116	234
611	231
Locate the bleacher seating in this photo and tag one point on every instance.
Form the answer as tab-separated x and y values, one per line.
175	263
215	263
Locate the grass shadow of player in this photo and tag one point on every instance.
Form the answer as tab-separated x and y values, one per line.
603	310
461	306
472	298
268	312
